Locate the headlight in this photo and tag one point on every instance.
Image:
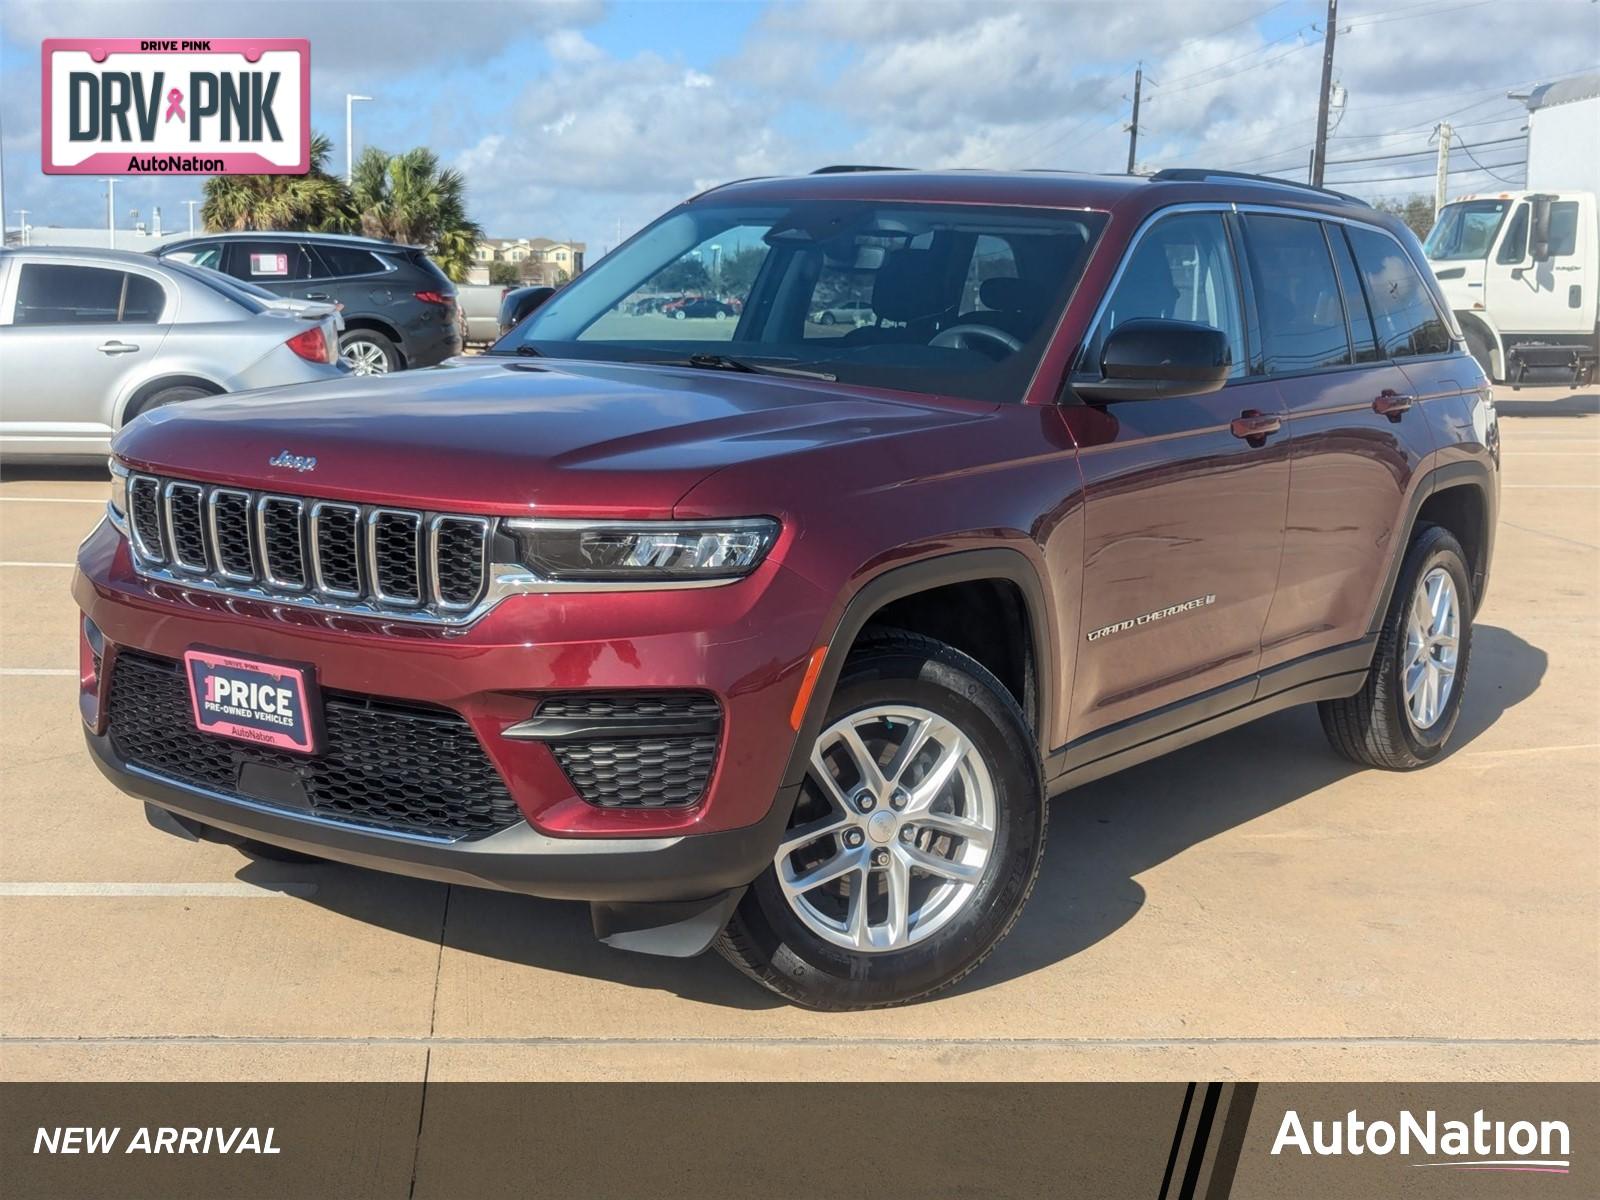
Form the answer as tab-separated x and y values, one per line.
642	551
119	493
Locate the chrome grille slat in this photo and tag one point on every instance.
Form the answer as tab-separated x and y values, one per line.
340	556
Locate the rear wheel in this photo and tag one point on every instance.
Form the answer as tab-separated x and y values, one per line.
368	353
916	840
170	395
1407	708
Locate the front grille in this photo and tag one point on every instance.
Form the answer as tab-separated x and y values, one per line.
392	766
631	767
322	552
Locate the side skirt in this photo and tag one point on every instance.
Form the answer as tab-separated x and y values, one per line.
1329	675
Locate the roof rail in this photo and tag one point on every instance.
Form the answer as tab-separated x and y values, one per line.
849	168
1193	174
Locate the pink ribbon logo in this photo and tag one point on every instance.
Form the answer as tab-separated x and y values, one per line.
175	105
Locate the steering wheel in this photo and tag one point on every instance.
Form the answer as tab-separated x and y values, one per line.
960	337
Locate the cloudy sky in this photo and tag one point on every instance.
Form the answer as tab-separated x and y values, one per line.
577	118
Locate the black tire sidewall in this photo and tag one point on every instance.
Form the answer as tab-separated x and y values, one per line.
828	976
176	394
1480	348
1434	548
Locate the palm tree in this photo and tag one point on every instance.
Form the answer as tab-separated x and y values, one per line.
314	201
408	198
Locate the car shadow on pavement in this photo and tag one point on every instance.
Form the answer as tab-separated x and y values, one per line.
1578	404
1105	834
13	472
1102	837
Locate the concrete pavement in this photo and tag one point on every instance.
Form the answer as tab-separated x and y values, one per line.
1249	907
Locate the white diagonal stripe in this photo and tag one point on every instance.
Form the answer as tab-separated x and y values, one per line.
234	889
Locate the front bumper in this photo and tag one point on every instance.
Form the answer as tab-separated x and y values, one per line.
520	859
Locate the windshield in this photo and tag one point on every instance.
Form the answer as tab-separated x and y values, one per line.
940	298
1465	229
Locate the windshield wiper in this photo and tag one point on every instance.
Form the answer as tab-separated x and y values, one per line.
525	349
723	362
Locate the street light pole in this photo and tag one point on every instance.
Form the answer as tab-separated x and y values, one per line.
111	213
191	204
350	101
22	224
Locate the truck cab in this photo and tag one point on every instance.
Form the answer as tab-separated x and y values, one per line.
1521	271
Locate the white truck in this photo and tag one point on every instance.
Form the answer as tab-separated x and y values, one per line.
1521	269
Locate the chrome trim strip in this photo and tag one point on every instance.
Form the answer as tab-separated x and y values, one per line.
216	538
314	524
383	597
261	539
481	524
275	811
172	488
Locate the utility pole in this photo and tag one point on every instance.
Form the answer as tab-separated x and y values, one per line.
111	212
1445	133
1133	127
1320	157
191	204
22	224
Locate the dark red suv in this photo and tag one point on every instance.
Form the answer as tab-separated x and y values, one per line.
778	634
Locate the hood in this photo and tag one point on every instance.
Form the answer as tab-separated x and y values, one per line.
499	436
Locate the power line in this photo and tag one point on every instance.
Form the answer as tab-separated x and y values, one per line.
1237	57
1430	174
1277	58
1467	150
1414	153
1406	14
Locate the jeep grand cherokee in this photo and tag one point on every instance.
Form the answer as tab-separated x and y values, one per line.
777	634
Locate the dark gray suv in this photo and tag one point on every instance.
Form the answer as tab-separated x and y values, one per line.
399	308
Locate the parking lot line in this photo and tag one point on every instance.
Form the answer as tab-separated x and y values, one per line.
21	563
50	500
1547	487
38	670
236	890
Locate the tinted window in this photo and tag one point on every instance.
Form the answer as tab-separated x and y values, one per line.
1355	300
270	262
1403	311
48	294
346	260
1563	228
198	256
1515	247
1297	295
1181	270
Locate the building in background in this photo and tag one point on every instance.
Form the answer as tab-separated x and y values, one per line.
535	260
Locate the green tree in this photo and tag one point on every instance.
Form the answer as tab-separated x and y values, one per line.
738	273
504	274
1416	211
684	275
410	198
314	201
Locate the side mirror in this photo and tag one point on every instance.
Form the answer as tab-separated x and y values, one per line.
1539	228
1150	358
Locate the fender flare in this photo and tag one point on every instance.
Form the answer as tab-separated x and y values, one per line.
1459	474
1473	318
375	324
962	566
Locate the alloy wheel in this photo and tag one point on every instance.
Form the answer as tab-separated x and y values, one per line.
896	829
365	358
1433	632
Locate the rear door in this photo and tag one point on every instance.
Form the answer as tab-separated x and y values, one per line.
76	334
1183	511
1357	437
278	264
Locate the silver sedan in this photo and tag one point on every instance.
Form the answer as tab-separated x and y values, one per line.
90	339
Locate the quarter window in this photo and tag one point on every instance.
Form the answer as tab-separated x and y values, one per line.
1407	321
51	294
1362	336
1181	270
347	260
1297	295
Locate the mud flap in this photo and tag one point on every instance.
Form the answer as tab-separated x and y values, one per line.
676	929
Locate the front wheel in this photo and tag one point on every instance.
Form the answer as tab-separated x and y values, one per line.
916	840
1407	708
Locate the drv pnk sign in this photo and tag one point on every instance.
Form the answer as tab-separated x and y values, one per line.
155	106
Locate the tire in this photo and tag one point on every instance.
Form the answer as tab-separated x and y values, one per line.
1377	727
171	395
722	314
678	314
369	353
999	786
827	319
1479	347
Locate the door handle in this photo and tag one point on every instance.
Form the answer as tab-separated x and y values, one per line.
318	296
116	347
1254	426
1392	404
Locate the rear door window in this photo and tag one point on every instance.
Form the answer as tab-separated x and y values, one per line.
1363	338
59	294
270	261
1407	321
1297	295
